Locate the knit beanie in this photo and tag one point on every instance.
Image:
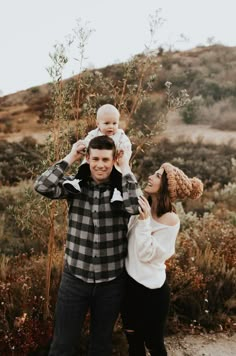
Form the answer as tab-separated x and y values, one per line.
179	185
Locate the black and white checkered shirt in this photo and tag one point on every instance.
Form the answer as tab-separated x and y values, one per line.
96	243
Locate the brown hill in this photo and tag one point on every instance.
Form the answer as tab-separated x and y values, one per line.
208	74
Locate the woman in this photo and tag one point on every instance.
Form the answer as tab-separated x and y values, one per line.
152	237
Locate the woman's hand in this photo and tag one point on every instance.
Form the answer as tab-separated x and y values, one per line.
144	208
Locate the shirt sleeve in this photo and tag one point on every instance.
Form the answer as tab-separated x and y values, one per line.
131	192
156	245
50	183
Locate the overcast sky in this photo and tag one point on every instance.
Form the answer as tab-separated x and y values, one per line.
30	28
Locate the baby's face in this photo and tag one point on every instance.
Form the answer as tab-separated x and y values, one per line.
108	124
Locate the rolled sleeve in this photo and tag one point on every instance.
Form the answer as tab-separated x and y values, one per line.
131	192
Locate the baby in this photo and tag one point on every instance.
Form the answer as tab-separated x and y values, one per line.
107	121
108	124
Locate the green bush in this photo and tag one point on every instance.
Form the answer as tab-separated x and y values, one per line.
35	90
191	111
217	91
18	160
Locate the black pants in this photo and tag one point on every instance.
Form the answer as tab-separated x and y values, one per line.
75	298
144	314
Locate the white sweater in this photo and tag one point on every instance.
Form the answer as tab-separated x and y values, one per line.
150	244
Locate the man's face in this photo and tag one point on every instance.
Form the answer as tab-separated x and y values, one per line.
101	163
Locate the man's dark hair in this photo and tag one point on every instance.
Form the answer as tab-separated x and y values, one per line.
102	143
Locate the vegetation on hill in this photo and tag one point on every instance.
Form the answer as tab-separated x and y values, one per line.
207	72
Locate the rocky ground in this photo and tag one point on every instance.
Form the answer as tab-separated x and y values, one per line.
202	345
217	344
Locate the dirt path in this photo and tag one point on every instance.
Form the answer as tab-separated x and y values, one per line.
219	344
201	345
177	130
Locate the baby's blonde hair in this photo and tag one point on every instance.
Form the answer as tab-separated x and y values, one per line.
107	109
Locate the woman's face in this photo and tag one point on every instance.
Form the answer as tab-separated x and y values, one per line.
154	182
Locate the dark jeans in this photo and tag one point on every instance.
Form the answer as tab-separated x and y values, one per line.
144	314
75	298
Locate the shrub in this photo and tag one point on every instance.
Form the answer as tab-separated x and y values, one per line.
216	91
191	112
220	115
18	160
227	195
202	274
22	284
25	222
226	121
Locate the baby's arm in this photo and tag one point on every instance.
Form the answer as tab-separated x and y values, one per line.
91	134
124	144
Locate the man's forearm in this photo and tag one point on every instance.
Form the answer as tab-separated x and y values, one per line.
125	169
131	192
70	159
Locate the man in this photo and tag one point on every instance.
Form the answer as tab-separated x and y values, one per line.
96	246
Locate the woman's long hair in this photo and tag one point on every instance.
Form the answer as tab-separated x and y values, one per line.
164	204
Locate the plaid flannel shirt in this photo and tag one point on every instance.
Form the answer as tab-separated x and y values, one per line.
96	244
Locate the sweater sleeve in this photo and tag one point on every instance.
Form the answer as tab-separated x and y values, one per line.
157	245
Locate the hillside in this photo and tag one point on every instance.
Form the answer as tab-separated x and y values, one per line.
208	74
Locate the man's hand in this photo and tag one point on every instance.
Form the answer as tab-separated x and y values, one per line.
77	151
